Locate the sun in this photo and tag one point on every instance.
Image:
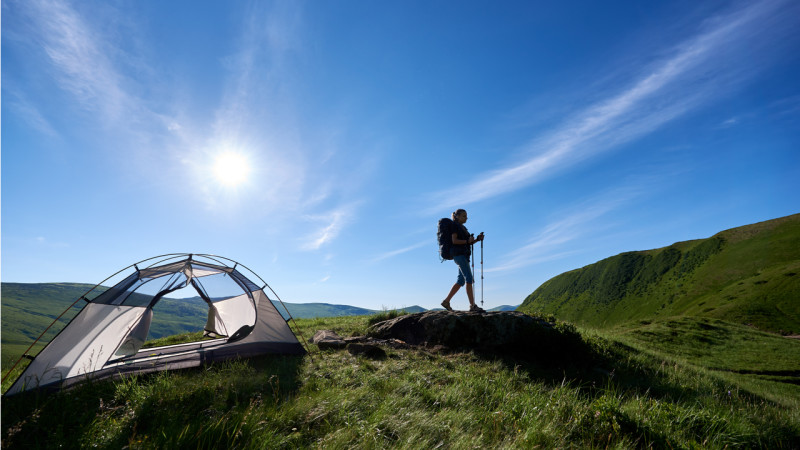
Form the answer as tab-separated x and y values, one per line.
231	169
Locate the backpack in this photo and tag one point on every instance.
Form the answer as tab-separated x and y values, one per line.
444	234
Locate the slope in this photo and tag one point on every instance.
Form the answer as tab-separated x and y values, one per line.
747	275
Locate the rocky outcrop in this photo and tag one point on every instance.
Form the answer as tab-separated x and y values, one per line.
494	332
502	332
460	329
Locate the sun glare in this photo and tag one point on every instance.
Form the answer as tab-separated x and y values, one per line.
231	169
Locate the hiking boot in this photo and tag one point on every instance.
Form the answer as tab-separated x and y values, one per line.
476	308
446	305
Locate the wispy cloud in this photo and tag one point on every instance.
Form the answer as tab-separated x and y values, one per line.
785	107
97	65
695	72
552	241
257	72
394	253
333	222
81	57
27	111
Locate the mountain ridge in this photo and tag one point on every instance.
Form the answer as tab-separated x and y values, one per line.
747	275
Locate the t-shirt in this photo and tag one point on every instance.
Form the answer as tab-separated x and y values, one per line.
463	234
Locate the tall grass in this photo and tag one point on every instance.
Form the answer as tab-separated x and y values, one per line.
411	399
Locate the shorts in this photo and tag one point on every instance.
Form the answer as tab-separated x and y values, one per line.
464	272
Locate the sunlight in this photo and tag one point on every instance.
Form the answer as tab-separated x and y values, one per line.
231	169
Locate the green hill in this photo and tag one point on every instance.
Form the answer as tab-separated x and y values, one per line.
28	309
747	275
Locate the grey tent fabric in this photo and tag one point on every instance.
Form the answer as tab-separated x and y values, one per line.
105	338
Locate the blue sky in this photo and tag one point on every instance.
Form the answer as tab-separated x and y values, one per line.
570	131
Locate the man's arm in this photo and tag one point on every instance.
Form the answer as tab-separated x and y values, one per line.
469	240
457	241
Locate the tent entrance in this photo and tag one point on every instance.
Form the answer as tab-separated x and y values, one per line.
213	303
182	312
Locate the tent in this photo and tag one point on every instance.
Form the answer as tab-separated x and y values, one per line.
105	338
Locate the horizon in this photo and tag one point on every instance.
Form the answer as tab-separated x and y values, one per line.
197	297
320	143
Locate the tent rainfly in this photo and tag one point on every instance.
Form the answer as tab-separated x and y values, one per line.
105	338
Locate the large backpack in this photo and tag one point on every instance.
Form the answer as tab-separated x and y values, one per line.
444	234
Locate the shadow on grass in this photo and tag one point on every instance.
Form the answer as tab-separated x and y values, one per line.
167	408
594	366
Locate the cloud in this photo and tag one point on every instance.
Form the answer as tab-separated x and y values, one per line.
786	106
573	224
27	111
333	221
93	63
695	72
394	253
80	55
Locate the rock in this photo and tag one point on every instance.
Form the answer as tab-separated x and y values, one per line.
328	340
323	335
368	350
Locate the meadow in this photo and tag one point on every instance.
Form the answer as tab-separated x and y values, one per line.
676	383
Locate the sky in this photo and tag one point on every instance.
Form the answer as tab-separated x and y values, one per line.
318	143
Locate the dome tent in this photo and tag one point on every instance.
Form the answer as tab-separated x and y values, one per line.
105	338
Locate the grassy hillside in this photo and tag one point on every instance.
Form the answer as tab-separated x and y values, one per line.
748	275
28	309
627	388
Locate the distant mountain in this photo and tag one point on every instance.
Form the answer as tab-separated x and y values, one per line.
311	310
749	275
504	308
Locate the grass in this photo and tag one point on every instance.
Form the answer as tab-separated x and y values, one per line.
766	365
635	394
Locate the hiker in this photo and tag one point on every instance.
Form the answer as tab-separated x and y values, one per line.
460	252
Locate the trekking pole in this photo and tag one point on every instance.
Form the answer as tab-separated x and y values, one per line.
472	251
481	273
472	254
